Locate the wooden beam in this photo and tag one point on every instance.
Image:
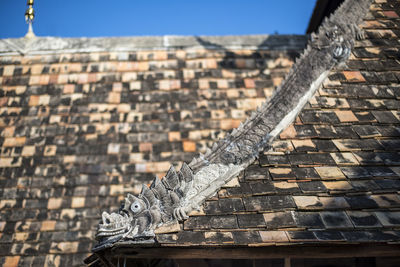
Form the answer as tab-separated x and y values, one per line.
287	262
332	251
105	260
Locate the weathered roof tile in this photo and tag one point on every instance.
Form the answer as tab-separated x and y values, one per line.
277	220
246	237
329	235
301	236
274	236
336	220
361	202
223	222
250	220
388	218
363	219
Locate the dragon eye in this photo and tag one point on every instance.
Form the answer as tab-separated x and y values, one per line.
135	207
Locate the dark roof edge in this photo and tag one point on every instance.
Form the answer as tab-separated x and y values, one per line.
269	251
294	251
40	45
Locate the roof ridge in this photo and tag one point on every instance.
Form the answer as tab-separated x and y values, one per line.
207	173
38	45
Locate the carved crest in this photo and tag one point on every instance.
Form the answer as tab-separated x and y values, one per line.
157	204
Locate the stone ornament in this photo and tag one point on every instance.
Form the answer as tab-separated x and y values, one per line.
178	193
155	205
166	200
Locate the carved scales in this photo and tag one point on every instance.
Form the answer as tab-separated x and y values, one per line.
178	193
157	204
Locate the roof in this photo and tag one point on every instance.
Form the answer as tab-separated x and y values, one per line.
84	121
331	176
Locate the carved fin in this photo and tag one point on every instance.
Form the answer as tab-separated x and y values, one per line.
166	184
161	192
186	175
159	186
145	200
172	178
180	190
153	187
186	172
146	192
174	198
129	199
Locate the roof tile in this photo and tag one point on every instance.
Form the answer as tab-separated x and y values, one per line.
274	236
361	202
329	172
336	220
329	236
246	237
218	237
312	187
267	203
337	185
344	158
346	116
306	173
262	188
301	236
197	222
282	173
363	219
388	218
277	220
224	222
250	220
387	200
307	202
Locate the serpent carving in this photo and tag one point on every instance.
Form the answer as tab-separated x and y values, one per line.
180	192
157	204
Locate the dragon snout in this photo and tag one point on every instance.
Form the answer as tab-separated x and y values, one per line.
106	218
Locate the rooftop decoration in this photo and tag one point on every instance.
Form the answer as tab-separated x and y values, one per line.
29	17
178	194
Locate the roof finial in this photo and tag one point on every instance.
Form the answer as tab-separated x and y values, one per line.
29	16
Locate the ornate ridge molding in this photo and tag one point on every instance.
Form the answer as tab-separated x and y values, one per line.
180	192
52	45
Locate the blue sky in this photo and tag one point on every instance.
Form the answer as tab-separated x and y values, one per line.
91	18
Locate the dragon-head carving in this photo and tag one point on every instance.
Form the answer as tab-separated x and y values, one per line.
139	216
123	223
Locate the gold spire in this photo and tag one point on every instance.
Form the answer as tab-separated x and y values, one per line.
29	16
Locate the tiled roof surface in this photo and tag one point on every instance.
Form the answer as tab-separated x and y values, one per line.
79	130
333	176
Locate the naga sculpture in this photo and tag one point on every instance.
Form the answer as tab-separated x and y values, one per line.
166	200
157	204
178	193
